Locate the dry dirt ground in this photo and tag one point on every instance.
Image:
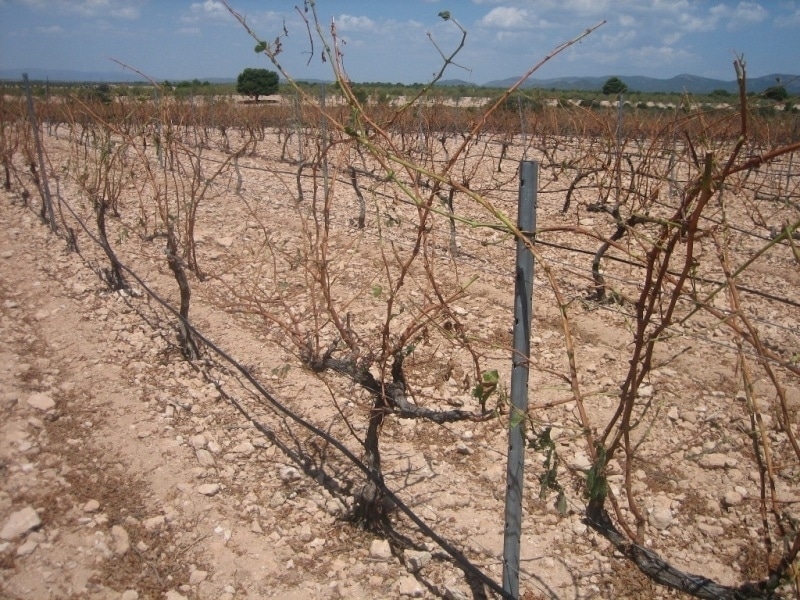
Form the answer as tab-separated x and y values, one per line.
127	472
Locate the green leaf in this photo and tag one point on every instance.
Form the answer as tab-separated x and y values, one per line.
486	387
377	290
542	441
491	376
260	47
445	15
596	483
517	417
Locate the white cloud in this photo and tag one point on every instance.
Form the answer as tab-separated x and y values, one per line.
618	39
505	17
207	11
578	7
747	13
49	30
353	23
119	9
209	8
791	20
698	23
584	7
657	56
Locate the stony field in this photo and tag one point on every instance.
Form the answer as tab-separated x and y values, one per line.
128	472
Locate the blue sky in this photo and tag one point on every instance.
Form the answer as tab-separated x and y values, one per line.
387	40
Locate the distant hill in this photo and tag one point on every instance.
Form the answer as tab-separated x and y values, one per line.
457	82
58	75
636	83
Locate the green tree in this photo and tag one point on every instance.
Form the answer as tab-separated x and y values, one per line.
101	93
614	85
257	82
777	93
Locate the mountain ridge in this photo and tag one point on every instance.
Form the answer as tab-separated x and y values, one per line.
685	82
692	84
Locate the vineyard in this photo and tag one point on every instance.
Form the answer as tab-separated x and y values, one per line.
293	323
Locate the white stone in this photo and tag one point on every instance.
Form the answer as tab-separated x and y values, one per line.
41	401
451	592
316	543
154	522
409	586
380	550
205	458
277	499
289	474
174	595
27	548
122	541
660	517
198	441
245	448
416	560
732	498
208	489
129	595
21	521
716	461
197	577
712	531
462	448
581	462
335	507
91	506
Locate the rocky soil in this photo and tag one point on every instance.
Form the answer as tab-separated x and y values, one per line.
127	472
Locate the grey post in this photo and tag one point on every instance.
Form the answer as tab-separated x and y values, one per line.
523	307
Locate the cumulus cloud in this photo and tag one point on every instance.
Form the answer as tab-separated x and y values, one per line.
790	20
581	7
747	13
698	23
505	17
585	7
208	9
354	23
729	15
49	30
119	9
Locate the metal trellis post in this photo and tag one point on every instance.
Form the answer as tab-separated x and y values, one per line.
523	307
